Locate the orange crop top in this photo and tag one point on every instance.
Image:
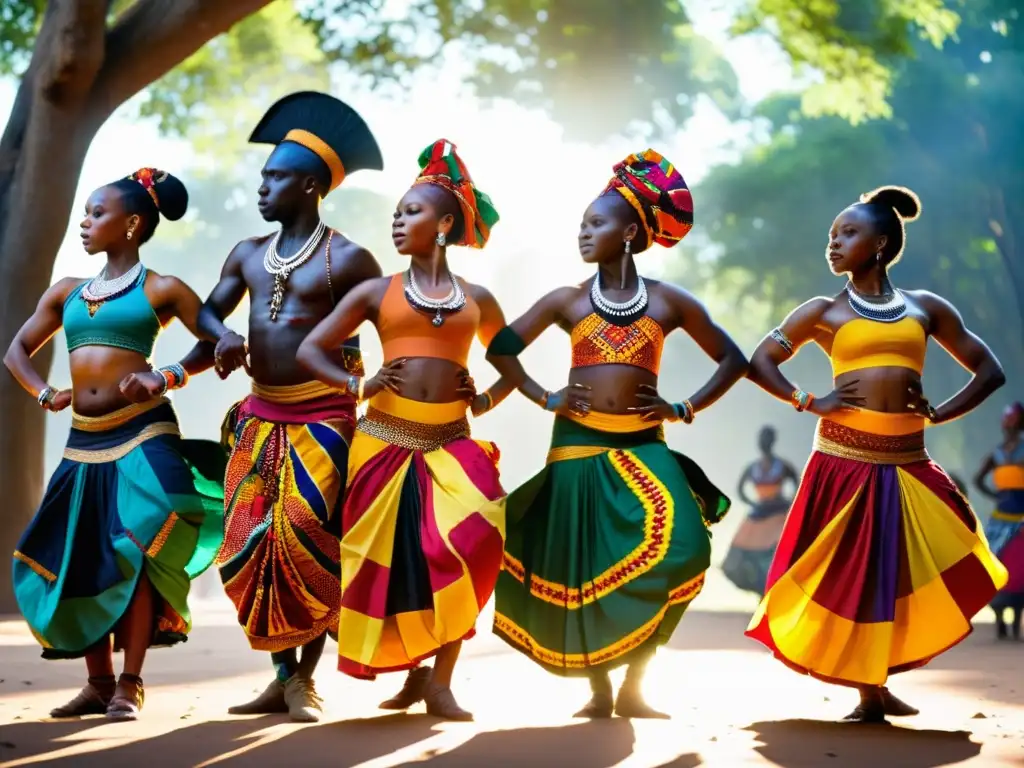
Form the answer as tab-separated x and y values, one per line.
863	343
406	332
595	341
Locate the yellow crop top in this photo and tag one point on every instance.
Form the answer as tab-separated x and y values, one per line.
405	332
863	343
595	341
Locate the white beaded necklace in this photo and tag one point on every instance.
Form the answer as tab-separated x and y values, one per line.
619	309
282	268
453	302
100	289
895	308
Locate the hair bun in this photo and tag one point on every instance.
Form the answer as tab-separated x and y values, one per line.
173	197
900	199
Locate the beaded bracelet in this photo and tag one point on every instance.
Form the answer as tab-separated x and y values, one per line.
175	376
684	412
801	400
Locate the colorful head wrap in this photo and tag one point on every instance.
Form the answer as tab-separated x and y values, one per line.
653	186
441	165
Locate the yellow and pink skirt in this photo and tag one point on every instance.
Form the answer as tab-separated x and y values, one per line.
423	535
882	563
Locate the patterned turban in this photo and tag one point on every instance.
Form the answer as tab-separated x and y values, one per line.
441	165
653	186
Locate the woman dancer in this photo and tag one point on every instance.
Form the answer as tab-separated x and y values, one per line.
746	565
124	526
882	562
424	511
608	544
1005	529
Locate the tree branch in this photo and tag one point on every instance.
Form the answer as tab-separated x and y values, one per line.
154	36
74	41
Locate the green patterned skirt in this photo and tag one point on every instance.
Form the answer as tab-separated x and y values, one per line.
605	548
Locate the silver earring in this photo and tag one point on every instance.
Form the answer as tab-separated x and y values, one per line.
441	239
629	247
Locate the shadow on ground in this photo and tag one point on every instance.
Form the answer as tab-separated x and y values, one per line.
811	744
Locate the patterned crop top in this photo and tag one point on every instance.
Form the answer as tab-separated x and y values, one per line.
863	343
595	341
405	332
125	322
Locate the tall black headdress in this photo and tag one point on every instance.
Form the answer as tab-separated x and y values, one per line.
327	127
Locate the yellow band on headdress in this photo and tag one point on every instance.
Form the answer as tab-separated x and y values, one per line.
317	146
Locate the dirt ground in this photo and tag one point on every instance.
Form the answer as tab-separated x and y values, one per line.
732	706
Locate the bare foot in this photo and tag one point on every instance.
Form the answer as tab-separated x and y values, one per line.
599	707
631	704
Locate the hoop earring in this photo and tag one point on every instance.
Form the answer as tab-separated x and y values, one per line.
441	239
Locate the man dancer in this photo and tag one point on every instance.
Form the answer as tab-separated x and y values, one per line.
289	439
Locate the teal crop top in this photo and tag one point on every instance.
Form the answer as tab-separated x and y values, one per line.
125	322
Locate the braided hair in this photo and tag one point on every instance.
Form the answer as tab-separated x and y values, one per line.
150	193
890	208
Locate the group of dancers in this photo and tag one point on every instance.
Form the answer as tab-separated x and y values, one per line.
391	530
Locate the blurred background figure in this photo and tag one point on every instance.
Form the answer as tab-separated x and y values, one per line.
750	555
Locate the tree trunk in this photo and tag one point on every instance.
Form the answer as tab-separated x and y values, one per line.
80	72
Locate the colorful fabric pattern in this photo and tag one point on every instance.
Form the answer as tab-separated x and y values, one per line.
595	341
1005	529
882	562
606	548
424	524
441	165
658	192
283	491
130	497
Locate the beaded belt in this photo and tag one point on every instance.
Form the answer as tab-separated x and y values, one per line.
411	434
848	443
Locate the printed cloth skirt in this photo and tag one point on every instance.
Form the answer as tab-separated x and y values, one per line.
282	518
606	546
750	555
882	562
130	497
1005	533
424	525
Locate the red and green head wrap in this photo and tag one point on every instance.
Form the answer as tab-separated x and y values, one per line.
441	165
657	191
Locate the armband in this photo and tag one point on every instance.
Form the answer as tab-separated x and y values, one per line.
506	343
782	340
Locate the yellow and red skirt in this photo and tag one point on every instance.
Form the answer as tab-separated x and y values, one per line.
423	534
882	563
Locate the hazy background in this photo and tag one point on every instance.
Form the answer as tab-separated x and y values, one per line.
767	180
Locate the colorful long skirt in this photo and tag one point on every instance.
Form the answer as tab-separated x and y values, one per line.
607	546
753	546
882	562
1005	533
282	518
424	525
130	498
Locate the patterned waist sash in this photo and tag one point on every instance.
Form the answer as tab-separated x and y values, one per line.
846	442
112	436
412	424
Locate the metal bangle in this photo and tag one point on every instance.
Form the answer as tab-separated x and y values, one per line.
781	339
45	396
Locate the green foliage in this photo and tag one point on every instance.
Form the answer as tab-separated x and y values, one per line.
851	44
